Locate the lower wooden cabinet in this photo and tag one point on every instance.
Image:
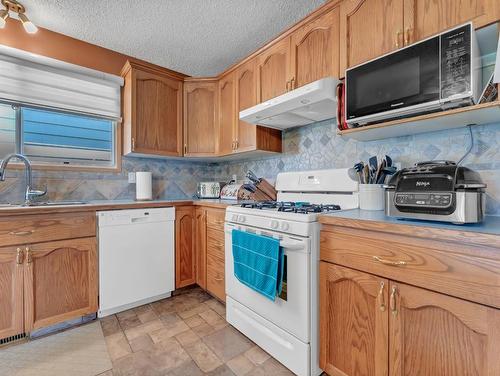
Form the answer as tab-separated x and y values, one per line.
60	281
215	277
373	326
11	292
353	322
185	260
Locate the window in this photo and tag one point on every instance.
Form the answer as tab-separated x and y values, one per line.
52	137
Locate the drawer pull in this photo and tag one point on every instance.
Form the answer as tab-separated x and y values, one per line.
21	233
389	262
19	256
219	222
381	297
218	279
394	309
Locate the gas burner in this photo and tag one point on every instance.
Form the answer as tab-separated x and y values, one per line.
260	205
305	207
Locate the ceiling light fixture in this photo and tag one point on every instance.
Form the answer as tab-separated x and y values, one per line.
16	7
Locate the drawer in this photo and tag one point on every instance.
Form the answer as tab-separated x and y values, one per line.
215	219
430	265
215	243
46	227
215	277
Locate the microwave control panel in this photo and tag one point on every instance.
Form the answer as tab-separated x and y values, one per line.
456	58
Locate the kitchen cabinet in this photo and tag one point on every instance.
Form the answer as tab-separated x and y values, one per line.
273	71
201	247
185	271
423	18
48	270
368	29
353	322
201	120
249	137
152	111
435	334
11	292
435	292
60	281
315	49
228	117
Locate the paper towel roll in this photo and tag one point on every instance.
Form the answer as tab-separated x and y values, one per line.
143	185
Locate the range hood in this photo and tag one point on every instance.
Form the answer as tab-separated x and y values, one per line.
308	104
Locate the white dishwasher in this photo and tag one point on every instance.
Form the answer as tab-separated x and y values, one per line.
136	258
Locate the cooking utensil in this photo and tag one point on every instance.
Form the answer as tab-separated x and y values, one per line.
358	167
373	162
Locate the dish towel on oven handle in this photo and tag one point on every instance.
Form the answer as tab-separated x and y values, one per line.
258	262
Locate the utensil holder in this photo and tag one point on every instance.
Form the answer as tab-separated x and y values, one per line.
371	197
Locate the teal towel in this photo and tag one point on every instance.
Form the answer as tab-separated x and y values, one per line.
258	262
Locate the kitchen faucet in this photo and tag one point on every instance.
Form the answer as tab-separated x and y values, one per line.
30	193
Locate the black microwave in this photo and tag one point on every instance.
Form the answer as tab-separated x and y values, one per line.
438	73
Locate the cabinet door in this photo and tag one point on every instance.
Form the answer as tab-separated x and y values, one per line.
11	292
201	247
200	118
423	18
368	29
434	334
157	123
60	281
227	114
273	71
185	258
353	322
246	97
315	50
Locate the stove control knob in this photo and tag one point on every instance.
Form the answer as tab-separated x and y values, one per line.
285	226
241	218
234	218
275	225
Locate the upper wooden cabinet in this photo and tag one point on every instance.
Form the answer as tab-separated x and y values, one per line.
152	111
11	292
273	71
201	120
434	334
227	114
353	322
60	281
315	49
249	137
369	28
423	18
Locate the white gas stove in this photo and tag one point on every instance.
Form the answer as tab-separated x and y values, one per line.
288	327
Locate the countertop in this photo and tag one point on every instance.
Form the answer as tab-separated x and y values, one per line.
486	232
111	205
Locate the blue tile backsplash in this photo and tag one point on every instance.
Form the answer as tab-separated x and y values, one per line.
315	146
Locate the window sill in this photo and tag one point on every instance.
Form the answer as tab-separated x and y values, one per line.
70	168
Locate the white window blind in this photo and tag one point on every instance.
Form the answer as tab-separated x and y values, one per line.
40	81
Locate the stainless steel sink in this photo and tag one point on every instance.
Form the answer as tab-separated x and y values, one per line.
57	203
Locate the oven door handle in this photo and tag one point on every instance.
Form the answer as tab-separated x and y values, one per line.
292	246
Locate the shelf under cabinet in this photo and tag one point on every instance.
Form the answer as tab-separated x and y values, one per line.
485	113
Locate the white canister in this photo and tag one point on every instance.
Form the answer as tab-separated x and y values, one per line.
143	185
371	196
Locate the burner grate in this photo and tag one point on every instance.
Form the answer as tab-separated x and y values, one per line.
292	207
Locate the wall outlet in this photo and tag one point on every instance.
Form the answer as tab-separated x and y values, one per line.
131	177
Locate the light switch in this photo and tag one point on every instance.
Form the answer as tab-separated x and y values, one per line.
131	177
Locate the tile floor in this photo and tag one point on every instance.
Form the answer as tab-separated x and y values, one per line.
183	335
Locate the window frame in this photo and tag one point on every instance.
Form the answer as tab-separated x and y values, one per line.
115	166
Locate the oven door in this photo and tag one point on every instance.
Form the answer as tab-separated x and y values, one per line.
393	82
291	310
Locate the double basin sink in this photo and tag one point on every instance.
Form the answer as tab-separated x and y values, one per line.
43	203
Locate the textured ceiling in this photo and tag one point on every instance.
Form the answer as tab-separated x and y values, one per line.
196	37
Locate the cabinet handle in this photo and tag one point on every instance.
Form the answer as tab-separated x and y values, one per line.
218	279
21	233
407	36
19	256
389	262
394	309
398	34
236	145
185	148
29	256
292	83
133	143
381	296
